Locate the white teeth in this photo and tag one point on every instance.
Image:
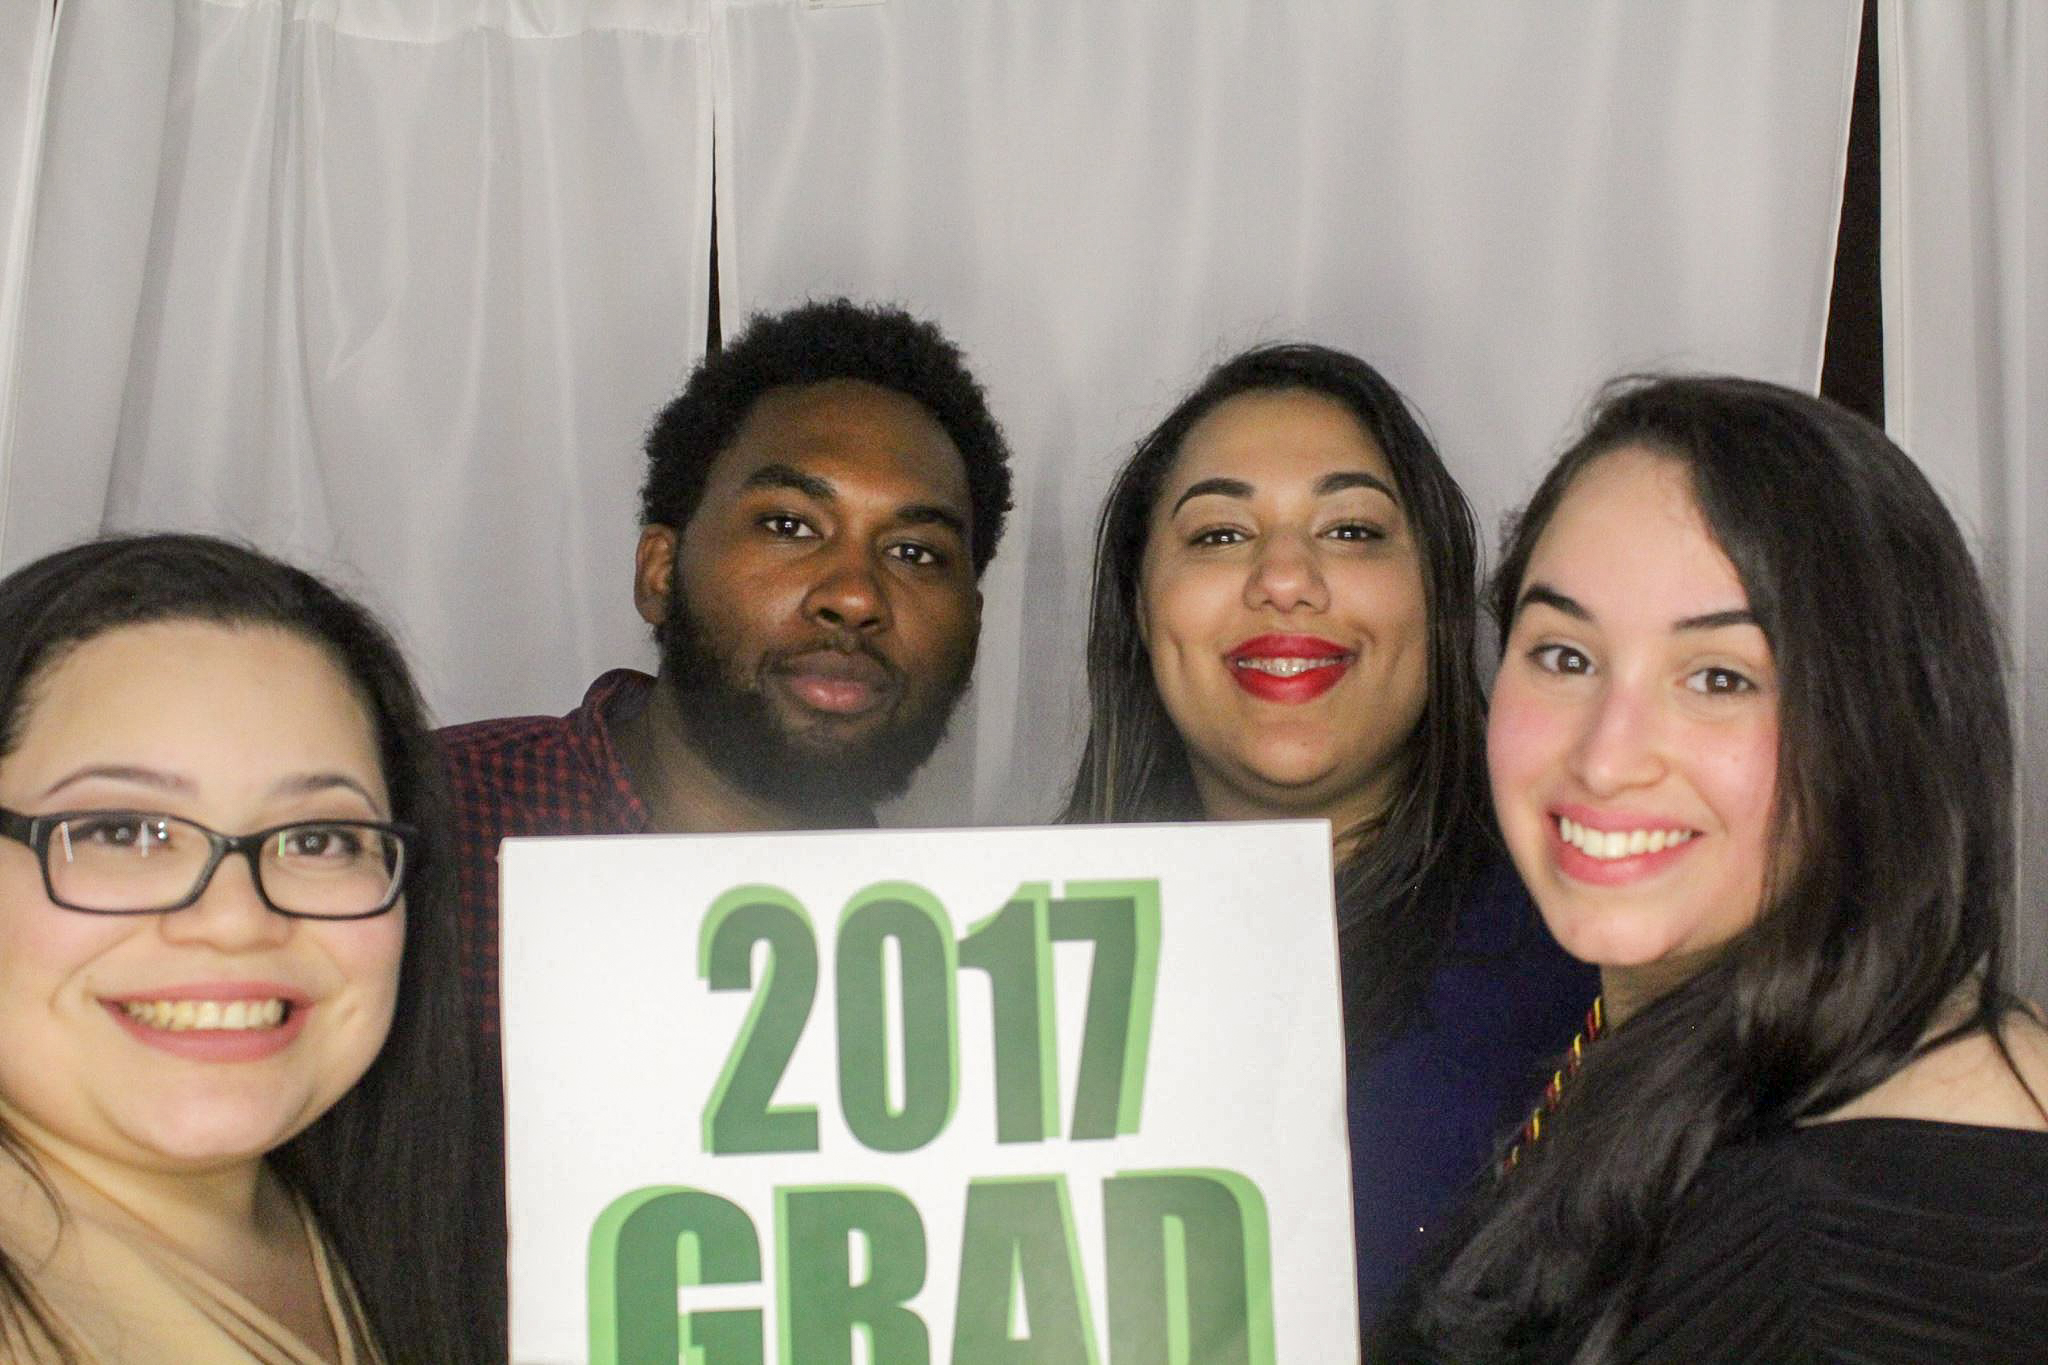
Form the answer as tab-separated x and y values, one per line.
1284	668
1610	844
181	1016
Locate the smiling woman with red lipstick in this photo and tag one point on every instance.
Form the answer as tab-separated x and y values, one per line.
227	972
1282	627
1750	750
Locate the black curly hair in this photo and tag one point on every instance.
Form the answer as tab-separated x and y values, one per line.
808	344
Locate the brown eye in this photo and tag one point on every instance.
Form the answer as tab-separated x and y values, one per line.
118	829
321	842
786	526
916	555
1719	682
1560	659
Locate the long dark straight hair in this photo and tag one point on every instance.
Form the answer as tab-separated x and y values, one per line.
1895	789
1396	893
381	1167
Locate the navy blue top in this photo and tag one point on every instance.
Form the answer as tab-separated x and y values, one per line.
1427	1107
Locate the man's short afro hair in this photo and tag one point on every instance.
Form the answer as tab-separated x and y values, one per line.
808	344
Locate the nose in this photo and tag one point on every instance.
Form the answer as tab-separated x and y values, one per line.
1286	574
848	595
1621	744
229	915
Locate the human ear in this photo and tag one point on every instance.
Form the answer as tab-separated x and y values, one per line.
654	572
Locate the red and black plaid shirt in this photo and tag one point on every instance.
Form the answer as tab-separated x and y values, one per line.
522	775
530	775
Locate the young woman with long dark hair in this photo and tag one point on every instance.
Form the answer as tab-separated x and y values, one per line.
1750	750
1282	626
228	985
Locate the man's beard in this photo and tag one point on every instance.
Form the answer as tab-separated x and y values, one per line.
734	727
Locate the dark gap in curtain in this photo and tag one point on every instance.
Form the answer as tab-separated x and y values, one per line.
1852	362
712	339
1852	358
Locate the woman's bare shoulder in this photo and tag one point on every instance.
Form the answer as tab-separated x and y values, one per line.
1969	1080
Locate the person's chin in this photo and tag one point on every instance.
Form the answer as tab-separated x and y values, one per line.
835	753
1612	932
1285	791
864	756
1295	774
827	736
221	1132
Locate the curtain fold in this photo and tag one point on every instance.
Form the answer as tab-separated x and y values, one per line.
394	287
1964	125
391	289
83	224
1500	205
26	34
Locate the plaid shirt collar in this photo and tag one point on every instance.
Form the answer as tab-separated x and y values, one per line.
622	691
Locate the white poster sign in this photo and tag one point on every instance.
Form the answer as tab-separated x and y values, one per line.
885	1098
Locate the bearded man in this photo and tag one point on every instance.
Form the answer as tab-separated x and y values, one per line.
820	502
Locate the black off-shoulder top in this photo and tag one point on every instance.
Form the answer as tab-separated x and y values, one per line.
1867	1240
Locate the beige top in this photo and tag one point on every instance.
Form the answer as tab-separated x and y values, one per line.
124	1296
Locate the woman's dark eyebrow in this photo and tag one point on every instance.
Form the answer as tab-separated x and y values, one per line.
1714	620
1354	478
1542	594
1228	488
305	784
1330	483
312	784
141	777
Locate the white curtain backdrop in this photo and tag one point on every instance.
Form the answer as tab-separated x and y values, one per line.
394	287
25	34
1964	108
391	288
1499	204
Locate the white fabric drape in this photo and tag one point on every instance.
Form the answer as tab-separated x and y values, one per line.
393	288
24	52
1964	126
26	31
390	288
1499	204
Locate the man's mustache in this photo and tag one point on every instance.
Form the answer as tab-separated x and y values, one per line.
841	653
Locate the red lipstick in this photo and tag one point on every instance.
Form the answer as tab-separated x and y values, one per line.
1288	668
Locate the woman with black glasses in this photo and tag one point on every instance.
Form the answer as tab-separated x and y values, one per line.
229	1024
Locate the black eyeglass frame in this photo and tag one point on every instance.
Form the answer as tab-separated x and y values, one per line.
37	831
